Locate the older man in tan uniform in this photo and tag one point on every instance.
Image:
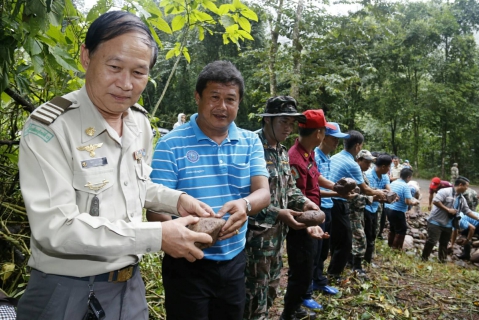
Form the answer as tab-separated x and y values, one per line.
84	174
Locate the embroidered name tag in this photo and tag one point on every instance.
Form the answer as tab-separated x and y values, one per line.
43	133
91	163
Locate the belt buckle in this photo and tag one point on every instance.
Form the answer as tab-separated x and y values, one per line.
122	276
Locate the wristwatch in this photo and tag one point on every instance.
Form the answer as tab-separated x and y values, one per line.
248	205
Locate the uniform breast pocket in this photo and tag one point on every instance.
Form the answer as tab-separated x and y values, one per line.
143	175
90	184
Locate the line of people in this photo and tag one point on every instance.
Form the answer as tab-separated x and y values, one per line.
87	170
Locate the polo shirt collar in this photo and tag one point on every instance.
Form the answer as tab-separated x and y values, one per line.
320	153
347	154
233	132
376	175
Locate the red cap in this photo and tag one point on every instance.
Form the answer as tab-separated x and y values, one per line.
315	119
435	182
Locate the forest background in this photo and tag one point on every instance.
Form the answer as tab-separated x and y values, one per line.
405	74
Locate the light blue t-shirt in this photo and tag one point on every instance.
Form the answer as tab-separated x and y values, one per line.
403	191
376	183
187	160
324	163
465	220
343	165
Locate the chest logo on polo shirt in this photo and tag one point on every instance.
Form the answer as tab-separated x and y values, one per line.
192	156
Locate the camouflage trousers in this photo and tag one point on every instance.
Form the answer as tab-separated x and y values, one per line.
263	268
359	237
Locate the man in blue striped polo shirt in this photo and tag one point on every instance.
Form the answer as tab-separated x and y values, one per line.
378	179
344	165
222	165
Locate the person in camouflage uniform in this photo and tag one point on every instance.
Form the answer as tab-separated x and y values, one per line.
267	230
356	216
454	173
471	198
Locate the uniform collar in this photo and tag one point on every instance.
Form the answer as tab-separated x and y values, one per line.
91	118
302	151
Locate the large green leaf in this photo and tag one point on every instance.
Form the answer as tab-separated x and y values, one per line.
244	23
210	6
161	25
178	23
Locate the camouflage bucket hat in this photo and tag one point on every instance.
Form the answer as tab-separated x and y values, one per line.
282	106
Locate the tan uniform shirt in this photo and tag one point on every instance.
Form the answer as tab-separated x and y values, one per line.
395	172
59	180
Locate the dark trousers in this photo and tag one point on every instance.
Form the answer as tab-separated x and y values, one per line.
322	252
437	233
397	221
370	227
341	240
299	246
382	221
204	289
50	296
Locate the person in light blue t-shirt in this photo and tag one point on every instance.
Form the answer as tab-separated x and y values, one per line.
213	160
396	212
468	226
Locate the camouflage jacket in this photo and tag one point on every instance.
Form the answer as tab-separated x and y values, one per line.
360	201
471	198
282	185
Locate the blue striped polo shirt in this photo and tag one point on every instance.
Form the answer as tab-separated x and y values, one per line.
343	165
187	160
376	183
323	162
403	191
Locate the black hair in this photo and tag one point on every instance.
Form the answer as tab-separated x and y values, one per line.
354	137
393	156
222	72
114	24
383	160
306	132
375	153
461	180
405	173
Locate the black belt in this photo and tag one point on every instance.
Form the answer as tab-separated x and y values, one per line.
120	275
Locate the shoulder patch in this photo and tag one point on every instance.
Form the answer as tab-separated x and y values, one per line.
48	112
139	108
39	131
294	173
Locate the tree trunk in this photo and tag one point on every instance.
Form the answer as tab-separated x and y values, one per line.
274	48
297	53
443	149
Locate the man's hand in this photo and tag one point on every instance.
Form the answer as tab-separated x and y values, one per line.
287	216
179	242
429	208
350	196
452	211
238	216
187	205
381	195
310	205
316	232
